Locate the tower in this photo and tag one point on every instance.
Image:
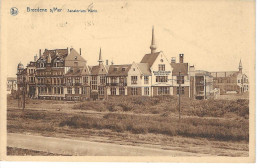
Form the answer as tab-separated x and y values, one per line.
20	68
100	61
153	46
240	66
49	58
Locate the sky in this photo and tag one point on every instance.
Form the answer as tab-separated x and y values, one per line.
212	35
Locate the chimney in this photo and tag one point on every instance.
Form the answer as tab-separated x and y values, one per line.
79	51
106	62
173	60
35	58
181	58
40	53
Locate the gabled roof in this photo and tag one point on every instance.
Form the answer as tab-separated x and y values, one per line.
150	58
97	70
74	72
144	68
56	52
85	70
118	70
74	55
179	67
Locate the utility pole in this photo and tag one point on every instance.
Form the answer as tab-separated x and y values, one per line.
18	96
205	92
179	95
24	93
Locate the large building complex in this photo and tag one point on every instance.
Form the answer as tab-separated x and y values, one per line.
63	74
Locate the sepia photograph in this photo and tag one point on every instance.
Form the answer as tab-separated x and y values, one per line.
170	81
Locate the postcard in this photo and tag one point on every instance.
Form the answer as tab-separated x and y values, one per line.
128	81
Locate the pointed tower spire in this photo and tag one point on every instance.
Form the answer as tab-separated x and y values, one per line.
100	57
49	58
153	46
240	66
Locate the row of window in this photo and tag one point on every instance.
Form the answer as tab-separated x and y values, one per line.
56	64
43	73
113	91
123	80
50	81
49	90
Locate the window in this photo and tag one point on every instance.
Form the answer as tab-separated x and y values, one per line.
76	90
163	90
146	79
113	79
75	64
101	90
146	91
161	78
122	81
113	91
69	81
133	79
69	90
133	91
180	79
77	80
84	90
123	69
94	83
85	79
102	79
121	91
115	69
238	81
182	90
161	67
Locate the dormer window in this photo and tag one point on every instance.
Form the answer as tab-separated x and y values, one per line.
133	69
123	69
76	57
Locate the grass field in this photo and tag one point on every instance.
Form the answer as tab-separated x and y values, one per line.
219	124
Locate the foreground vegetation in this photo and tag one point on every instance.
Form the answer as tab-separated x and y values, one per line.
216	129
158	115
169	105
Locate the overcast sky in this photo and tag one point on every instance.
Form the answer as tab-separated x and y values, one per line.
213	35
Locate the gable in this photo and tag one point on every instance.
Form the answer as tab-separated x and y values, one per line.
102	70
73	57
161	59
134	70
